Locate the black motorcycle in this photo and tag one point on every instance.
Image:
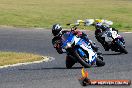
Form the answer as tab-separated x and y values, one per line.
110	39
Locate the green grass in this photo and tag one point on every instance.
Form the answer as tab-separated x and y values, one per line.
44	13
9	58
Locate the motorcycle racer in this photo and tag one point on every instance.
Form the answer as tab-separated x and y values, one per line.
57	42
101	26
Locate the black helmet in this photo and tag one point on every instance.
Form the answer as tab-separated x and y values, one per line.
56	28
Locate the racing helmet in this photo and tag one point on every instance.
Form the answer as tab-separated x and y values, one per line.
98	20
56	28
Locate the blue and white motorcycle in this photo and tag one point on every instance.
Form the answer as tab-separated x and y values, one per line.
80	51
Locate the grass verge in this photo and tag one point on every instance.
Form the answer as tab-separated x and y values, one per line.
9	58
44	13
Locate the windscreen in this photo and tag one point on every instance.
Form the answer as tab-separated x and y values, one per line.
67	37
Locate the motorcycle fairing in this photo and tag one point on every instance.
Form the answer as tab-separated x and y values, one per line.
71	38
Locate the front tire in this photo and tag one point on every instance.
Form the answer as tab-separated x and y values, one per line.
81	61
123	50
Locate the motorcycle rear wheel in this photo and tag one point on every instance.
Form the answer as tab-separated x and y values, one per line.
69	62
100	62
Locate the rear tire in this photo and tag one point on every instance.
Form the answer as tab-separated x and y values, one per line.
99	62
69	62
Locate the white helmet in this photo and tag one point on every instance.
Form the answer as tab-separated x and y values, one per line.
108	22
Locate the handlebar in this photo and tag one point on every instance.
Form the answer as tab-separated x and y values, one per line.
72	26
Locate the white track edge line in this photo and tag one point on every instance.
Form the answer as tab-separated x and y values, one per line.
45	59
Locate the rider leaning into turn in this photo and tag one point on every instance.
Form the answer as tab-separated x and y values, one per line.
57	40
101	26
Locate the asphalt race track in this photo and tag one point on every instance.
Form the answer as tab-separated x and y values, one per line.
53	74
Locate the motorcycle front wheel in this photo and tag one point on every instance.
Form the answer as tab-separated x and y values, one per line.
121	48
81	60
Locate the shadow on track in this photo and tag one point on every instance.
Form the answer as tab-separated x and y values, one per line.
30	69
112	54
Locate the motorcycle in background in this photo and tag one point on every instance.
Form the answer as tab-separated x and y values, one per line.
110	39
114	41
